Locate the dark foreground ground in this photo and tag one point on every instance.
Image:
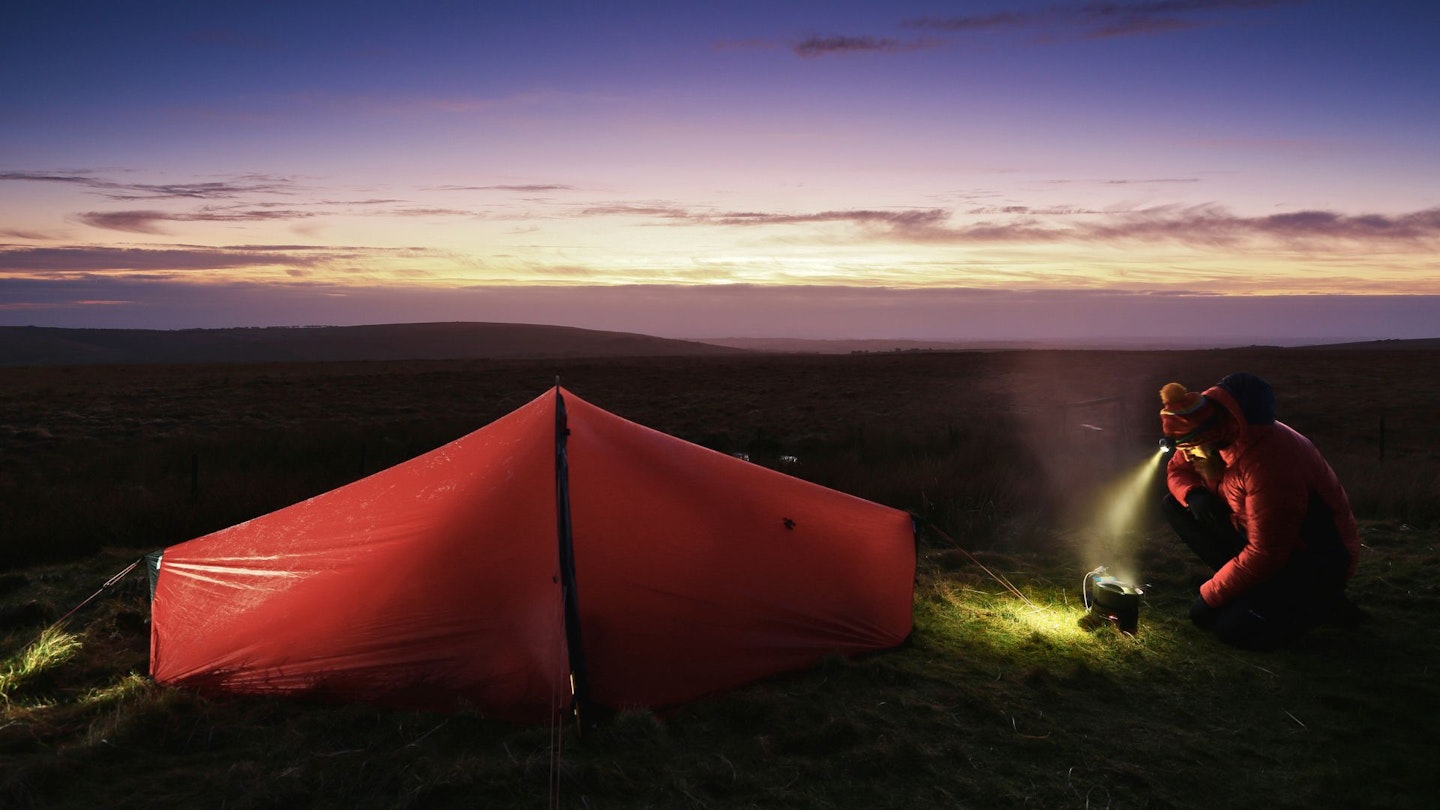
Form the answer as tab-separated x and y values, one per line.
995	702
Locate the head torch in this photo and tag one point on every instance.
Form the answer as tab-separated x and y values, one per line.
1169	443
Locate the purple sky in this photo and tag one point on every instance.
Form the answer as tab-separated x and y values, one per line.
1215	171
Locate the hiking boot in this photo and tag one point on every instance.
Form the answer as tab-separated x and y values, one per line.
1344	613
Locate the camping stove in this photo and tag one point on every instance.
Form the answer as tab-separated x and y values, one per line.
1110	601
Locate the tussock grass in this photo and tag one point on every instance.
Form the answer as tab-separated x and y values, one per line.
994	701
992	447
52	649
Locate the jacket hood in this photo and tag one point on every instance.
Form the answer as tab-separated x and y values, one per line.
1248	398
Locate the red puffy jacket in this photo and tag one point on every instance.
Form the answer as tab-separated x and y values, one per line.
1270	472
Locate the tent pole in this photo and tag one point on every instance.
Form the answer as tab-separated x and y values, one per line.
574	645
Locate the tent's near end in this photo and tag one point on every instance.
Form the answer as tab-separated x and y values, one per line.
442	582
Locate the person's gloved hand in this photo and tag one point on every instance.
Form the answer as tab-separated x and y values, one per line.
1202	504
1202	614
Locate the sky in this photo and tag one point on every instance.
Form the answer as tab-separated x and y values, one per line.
1188	171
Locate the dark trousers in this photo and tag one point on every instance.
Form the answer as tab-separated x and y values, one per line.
1299	596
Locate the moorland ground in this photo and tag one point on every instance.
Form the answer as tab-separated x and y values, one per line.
1006	456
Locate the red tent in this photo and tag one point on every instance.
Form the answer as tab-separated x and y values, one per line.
558	545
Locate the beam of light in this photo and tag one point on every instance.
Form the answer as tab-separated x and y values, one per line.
1121	506
1126	498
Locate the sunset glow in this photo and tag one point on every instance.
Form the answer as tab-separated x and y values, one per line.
1215	171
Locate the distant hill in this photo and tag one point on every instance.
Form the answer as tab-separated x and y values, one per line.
45	346
1417	343
832	346
805	346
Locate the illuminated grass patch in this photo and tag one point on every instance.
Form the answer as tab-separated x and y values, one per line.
51	650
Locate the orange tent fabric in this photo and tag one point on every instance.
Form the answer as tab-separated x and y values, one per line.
559	540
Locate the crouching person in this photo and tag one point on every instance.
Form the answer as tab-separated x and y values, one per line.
1257	503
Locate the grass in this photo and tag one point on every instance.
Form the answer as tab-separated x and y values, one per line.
52	649
995	701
